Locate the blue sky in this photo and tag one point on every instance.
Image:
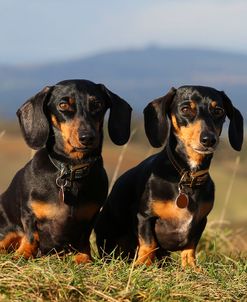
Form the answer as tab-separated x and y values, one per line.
37	31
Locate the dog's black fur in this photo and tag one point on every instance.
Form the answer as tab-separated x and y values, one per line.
65	124
142	211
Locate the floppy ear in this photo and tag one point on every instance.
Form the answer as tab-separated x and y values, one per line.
33	122
119	118
236	126
156	119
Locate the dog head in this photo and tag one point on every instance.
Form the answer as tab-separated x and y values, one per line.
70	116
195	115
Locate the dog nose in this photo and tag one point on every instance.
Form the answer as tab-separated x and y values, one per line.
86	138
208	139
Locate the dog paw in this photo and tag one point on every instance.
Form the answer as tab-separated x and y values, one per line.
82	258
146	261
195	268
17	255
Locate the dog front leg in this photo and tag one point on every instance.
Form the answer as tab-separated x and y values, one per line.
147	244
188	254
83	247
29	243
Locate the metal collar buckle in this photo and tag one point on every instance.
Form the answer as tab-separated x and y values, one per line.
188	178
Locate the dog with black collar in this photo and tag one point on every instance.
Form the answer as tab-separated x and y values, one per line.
162	204
52	202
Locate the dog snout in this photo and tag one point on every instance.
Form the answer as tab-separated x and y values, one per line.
87	138
208	139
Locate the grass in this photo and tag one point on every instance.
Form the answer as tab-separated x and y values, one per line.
222	252
223	278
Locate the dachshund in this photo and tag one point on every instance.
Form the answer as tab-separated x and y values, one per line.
161	205
52	202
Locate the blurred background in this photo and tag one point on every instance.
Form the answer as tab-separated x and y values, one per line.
138	49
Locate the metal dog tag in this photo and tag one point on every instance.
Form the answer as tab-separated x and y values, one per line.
182	200
61	194
61	183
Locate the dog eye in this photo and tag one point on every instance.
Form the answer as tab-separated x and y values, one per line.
64	105
218	111
186	109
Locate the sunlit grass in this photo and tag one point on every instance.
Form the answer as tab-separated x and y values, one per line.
223	277
221	252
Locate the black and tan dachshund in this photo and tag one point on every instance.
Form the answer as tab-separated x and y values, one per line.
52	202
162	204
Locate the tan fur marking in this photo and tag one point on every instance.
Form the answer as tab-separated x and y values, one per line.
46	210
26	248
168	210
11	241
85	255
192	105
54	121
190	137
174	123
188	257
213	104
71	138
146	252
82	258
70	131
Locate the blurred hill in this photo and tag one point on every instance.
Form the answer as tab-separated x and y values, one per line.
137	75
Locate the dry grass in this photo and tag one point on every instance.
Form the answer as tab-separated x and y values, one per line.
221	253
223	278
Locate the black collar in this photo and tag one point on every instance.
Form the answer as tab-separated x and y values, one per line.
67	177
189	179
73	172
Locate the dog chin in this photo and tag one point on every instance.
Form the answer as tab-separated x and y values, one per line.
82	149
204	151
83	152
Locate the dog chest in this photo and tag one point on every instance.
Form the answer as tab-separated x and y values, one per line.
172	225
61	211
58	223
